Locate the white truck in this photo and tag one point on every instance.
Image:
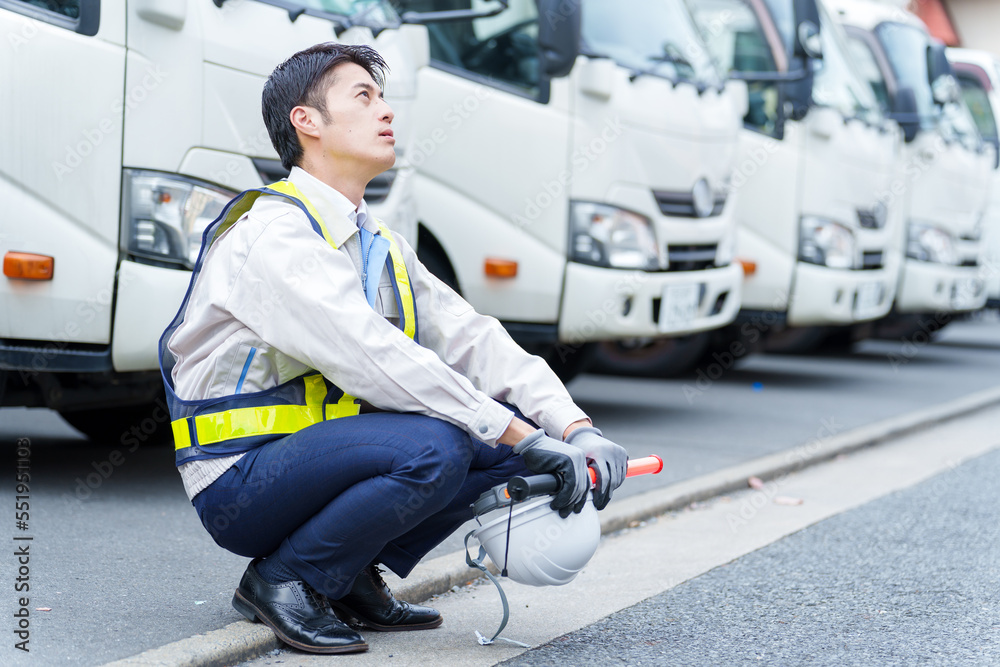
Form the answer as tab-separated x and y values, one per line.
943	182
978	74
814	231
125	126
572	169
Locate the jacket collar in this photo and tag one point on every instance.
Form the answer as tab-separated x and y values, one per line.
337	211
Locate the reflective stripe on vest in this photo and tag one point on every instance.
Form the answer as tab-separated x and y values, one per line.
226	425
237	423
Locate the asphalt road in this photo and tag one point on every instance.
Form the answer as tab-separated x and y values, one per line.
912	578
122	562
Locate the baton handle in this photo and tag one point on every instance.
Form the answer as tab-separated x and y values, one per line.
520	488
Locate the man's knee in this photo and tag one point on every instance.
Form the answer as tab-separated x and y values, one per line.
440	470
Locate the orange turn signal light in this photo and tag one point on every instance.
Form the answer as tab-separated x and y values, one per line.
749	267
500	268
28	266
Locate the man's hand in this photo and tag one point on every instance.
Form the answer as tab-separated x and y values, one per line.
543	454
609	459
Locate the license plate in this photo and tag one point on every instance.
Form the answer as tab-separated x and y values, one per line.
679	307
869	303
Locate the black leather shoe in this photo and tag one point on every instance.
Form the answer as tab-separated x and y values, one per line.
300	616
371	602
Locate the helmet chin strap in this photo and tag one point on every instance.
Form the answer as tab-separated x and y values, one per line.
506	546
477	562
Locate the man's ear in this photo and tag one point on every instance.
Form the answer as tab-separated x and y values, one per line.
306	120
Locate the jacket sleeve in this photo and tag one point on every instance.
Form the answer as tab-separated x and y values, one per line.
480	349
305	298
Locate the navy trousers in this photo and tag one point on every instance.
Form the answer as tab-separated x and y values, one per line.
333	497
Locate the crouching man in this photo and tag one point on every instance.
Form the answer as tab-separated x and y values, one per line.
335	407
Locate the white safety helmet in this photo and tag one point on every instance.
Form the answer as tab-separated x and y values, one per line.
542	548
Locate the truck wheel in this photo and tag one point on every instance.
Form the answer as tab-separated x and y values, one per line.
432	256
796	340
909	327
659	358
147	423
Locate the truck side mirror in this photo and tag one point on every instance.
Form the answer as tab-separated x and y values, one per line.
904	112
937	62
558	36
945	89
944	85
807	43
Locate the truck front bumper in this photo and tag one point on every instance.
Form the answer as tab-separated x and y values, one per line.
148	299
612	304
821	295
927	287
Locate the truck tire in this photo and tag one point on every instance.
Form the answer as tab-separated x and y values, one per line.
432	256
797	340
896	327
660	358
146	423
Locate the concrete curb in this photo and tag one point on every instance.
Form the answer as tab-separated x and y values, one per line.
242	640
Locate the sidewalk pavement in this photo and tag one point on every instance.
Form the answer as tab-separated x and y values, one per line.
243	640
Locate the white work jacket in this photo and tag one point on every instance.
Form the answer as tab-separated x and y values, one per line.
274	292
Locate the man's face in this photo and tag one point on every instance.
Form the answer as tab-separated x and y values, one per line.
359	133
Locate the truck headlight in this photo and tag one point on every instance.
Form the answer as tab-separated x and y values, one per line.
927	243
727	249
608	236
164	215
825	242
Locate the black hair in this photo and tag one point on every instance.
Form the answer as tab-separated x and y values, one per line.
303	80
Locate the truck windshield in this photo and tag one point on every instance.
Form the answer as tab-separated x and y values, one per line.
370	13
906	48
837	84
654	37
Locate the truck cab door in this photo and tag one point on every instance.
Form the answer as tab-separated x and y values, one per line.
744	39
62	106
491	144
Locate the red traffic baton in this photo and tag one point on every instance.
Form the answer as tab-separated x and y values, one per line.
519	488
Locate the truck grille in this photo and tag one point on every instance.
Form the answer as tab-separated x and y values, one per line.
681	204
871	259
691	257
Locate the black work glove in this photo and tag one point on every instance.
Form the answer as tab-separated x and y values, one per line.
610	461
543	454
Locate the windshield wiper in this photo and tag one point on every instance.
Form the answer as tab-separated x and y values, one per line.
636	72
341	22
674	59
668	57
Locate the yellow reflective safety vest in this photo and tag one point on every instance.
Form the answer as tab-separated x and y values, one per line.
234	424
